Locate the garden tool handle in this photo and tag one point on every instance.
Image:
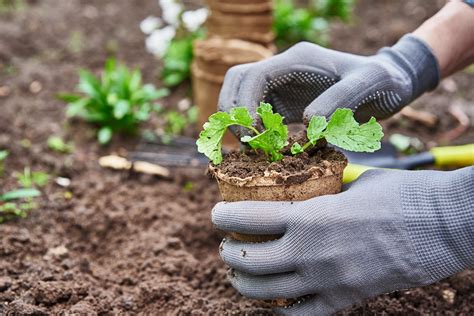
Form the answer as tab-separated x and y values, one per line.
456	156
353	171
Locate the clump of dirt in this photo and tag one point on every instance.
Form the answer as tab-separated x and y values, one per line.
294	169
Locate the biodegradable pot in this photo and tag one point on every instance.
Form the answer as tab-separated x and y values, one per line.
256	27
242	6
323	179
213	57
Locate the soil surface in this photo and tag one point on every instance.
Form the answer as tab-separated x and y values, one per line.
115	243
291	169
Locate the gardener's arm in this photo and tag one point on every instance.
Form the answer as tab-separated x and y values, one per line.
309	80
450	34
389	230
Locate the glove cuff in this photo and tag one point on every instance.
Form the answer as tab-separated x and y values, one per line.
417	59
438	209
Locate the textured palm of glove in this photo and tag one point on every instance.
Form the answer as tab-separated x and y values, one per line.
315	80
389	230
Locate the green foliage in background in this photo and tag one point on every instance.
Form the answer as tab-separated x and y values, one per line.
29	179
178	58
307	21
17	203
116	102
57	144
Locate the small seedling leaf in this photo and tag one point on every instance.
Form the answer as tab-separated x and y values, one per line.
104	135
20	194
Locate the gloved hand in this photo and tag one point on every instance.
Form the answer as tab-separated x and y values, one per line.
315	80
388	230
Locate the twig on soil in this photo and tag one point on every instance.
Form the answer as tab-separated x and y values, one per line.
457	112
120	163
423	117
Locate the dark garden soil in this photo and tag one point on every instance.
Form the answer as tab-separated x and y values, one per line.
137	244
290	170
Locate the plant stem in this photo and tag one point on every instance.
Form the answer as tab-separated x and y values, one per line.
305	146
253	129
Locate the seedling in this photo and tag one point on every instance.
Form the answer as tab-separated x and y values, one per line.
11	208
342	130
176	122
116	102
29	179
57	144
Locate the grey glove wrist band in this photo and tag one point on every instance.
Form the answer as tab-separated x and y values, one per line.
439	212
416	58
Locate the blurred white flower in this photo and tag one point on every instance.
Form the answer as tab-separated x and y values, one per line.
170	11
150	24
194	19
159	40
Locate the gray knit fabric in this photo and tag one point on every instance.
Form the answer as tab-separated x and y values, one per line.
309	80
388	230
439	212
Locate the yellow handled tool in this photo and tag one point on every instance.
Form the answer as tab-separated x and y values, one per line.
447	156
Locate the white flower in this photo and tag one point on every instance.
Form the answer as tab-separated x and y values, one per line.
194	19
159	40
171	11
150	24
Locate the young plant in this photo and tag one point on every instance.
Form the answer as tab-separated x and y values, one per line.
29	179
57	144
17	203
292	24
176	122
116	102
342	130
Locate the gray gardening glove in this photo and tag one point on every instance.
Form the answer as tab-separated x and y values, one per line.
313	80
389	230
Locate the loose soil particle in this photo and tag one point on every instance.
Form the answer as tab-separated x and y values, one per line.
136	244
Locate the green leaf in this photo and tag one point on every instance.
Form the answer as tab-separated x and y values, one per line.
3	154
121	108
296	149
210	139
78	108
89	84
275	136
69	98
316	126
40	178
344	132
270	142
20	194
57	144
104	135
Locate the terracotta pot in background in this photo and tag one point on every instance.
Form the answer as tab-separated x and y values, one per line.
212	58
247	20
242	6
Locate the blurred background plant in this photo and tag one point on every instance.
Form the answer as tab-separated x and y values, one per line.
116	102
3	156
295	21
11	5
171	37
17	203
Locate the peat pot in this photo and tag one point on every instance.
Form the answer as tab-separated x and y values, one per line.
213	57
